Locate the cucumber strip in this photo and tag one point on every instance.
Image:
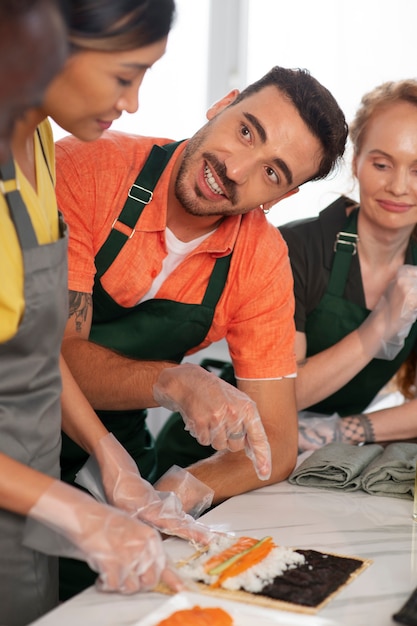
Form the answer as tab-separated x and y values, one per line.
222	566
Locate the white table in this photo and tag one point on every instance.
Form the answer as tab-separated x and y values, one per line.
355	524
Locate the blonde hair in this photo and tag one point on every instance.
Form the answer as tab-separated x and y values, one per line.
375	101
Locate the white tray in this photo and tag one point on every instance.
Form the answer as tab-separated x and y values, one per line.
242	614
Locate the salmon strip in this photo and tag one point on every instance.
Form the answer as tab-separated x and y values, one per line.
255	556
243	543
197	616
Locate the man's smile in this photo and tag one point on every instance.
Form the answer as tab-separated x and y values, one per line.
211	182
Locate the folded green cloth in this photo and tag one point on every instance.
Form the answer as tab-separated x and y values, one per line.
336	465
393	472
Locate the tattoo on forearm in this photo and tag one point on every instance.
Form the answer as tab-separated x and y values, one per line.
79	304
357	429
368	428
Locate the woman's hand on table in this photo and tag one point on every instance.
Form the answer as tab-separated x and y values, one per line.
316	432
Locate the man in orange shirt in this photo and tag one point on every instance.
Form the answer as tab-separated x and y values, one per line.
163	263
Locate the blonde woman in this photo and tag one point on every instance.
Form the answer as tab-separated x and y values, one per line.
356	293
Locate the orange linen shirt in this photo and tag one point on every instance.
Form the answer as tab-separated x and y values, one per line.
256	310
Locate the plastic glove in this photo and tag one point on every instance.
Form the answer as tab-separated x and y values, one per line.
195	496
316	432
127	555
386	327
127	490
215	413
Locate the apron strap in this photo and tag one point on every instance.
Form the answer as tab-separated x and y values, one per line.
140	194
38	132
9	186
217	281
345	247
414	251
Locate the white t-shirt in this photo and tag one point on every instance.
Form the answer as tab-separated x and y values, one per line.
177	251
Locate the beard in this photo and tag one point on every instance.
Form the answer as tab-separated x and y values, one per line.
191	199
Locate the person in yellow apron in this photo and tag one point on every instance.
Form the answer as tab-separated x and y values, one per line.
34	305
32	50
355	278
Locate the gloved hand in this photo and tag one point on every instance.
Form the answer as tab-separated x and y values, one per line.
316	432
127	490
386	327
215	413
194	495
127	554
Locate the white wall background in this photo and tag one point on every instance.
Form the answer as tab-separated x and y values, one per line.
349	45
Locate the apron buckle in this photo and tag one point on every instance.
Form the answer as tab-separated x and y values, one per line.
7	186
8	178
124	227
347	239
136	191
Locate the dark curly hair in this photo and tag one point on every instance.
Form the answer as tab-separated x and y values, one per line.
317	108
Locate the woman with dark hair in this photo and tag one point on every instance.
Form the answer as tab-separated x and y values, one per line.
32	50
113	44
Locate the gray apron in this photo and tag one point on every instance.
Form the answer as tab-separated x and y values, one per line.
30	413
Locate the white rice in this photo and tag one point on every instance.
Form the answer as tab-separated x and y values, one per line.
254	579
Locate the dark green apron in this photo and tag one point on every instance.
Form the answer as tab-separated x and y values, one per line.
159	329
335	317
